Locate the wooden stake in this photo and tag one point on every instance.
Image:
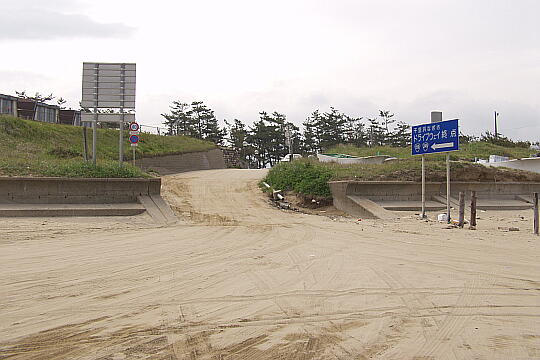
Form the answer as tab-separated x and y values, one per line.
461	209
472	225
535	200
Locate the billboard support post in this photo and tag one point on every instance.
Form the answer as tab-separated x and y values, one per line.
121	142
94	138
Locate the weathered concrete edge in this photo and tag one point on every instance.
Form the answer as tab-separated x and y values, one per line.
344	191
76	190
175	164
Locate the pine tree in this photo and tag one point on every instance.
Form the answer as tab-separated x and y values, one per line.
179	121
259	140
331	129
355	133
195	120
237	135
401	136
386	120
312	133
210	129
376	133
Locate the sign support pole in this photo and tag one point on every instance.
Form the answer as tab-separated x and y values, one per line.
448	187
94	139
423	187
121	139
133	148
94	124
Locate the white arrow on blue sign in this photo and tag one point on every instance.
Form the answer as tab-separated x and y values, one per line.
436	137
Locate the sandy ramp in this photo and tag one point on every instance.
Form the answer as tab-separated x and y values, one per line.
239	279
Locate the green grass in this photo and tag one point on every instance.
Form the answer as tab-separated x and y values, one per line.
467	152
31	148
310	177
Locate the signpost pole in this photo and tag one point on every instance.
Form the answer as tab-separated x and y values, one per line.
423	187
122	97
121	139
94	139
448	187
134	130
439	136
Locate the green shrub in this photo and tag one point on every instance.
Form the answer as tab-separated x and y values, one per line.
302	176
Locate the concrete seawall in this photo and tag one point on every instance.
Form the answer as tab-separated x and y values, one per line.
47	197
354	196
174	164
75	191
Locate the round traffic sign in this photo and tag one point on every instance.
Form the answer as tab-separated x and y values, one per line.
134	126
134	139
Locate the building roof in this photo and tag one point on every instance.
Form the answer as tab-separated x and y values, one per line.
39	103
8	97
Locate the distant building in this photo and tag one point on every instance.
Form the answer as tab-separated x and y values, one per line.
70	117
34	110
8	105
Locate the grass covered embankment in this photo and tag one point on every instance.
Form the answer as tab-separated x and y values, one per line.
310	177
467	152
31	148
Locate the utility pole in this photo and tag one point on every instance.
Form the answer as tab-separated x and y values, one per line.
496	132
288	140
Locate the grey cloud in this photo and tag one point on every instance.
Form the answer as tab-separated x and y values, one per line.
40	24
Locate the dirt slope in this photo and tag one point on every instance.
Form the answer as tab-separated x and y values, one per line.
239	279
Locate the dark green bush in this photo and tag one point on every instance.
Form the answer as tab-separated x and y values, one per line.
302	176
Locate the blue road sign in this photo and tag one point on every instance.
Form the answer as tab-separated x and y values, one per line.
436	137
134	139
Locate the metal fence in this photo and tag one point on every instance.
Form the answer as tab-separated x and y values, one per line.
156	130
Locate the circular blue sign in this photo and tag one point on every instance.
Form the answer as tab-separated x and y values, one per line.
134	139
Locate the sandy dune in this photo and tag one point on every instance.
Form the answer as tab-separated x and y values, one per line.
239	279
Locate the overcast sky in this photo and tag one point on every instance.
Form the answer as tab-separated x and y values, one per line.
466	58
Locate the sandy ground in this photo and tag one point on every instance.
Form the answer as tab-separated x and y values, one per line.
239	279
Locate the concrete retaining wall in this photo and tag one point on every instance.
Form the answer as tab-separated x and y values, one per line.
75	191
352	196
174	164
406	191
